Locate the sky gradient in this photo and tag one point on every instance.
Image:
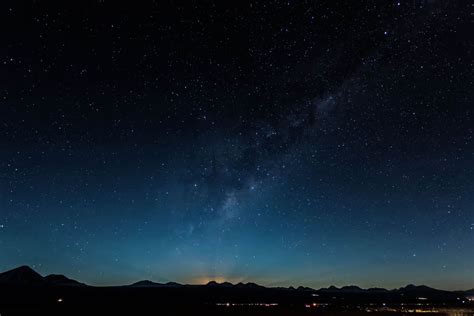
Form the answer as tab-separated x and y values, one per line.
283	143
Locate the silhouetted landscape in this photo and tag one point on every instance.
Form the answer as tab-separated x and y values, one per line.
233	157
24	291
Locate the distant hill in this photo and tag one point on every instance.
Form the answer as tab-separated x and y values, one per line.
26	276
24	289
215	284
249	285
59	279
145	283
468	292
148	283
377	289
23	275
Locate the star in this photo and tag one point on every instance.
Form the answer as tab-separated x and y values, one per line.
308	133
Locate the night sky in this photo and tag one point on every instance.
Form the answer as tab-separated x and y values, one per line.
278	142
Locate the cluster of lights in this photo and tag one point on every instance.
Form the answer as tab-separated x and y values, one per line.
417	308
315	305
228	304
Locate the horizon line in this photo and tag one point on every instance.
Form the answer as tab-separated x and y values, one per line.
469	288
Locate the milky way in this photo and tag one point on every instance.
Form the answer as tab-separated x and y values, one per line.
282	143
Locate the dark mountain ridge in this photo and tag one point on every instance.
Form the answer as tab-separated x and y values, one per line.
26	276
148	283
22	289
23	275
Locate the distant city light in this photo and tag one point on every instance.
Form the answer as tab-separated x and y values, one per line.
228	304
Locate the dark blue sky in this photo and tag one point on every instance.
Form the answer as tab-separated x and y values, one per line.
281	143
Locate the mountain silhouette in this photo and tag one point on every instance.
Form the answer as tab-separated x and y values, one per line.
23	275
59	279
305	288
331	288
23	287
377	289
412	287
145	283
173	284
26	276
215	284
148	283
351	288
469	292
249	285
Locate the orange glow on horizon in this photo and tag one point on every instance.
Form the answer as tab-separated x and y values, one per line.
218	279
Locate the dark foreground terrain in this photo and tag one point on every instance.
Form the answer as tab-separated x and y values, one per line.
25	292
